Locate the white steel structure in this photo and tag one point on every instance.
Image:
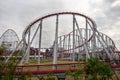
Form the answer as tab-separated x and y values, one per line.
9	40
71	35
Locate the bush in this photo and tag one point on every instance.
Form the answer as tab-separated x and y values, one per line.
2	50
97	70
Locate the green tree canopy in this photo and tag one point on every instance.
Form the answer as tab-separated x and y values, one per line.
98	70
2	50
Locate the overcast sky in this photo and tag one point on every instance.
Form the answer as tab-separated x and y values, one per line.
17	14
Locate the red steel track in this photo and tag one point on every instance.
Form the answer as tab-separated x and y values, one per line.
57	71
38	71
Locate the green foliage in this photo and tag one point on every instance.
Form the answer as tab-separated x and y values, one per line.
49	77
97	70
41	78
2	50
75	75
8	69
22	77
2	65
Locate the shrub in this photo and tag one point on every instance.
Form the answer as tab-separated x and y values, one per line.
98	70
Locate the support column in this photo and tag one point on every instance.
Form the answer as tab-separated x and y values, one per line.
56	44
60	46
73	54
40	35
85	47
25	55
28	52
86	32
63	47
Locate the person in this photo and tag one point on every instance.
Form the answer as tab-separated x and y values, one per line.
47	53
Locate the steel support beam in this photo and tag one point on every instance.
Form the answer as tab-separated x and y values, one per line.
56	44
40	38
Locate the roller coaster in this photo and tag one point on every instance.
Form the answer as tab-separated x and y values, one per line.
9	40
65	36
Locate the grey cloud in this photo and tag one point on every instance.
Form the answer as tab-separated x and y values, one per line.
17	14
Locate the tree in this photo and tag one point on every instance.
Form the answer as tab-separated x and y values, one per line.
7	70
97	70
2	50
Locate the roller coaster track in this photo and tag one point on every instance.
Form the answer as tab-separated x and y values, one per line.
86	41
